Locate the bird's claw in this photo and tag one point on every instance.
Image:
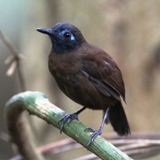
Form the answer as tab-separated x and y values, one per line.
89	130
93	135
67	119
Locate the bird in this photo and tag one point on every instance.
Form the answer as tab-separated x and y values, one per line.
87	75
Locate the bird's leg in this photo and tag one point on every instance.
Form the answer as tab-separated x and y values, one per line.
97	132
69	117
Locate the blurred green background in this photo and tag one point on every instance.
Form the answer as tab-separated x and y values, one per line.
128	30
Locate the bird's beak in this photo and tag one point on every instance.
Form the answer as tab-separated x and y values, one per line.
45	30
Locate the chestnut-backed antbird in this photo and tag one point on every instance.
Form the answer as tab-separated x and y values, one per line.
87	75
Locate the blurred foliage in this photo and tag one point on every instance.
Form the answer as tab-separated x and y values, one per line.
127	30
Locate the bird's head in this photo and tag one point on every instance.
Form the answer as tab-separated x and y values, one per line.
64	37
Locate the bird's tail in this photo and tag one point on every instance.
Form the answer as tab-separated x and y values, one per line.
118	120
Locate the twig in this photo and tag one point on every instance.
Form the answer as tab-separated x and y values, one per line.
13	60
59	146
137	145
18	129
37	103
87	157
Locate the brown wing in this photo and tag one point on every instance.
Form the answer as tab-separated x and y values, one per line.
103	72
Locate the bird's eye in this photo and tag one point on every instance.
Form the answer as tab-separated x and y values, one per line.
67	35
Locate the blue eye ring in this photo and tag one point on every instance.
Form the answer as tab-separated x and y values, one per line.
68	35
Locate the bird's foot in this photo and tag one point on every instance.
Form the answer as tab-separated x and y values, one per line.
67	119
94	134
89	130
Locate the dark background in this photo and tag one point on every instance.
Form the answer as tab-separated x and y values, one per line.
128	30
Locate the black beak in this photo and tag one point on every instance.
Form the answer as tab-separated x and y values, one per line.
45	30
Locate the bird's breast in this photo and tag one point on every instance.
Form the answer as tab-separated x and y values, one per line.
75	84
64	66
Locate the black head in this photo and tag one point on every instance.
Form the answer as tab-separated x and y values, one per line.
65	37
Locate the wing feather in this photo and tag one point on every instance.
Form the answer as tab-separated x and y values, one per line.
104	73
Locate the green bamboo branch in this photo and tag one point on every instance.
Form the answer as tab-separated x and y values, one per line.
37	103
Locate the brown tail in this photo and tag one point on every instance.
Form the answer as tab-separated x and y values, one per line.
118	119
